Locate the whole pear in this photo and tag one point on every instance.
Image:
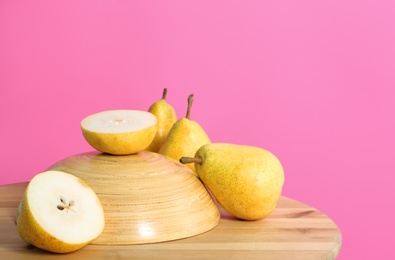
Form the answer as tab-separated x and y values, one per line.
185	137
246	180
166	116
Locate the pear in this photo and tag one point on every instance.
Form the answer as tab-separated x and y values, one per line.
185	137
119	132
246	180
59	213
166	116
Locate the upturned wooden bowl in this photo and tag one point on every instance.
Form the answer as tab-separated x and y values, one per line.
146	197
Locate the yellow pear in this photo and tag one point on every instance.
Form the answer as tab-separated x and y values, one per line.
185	137
246	180
119	132
59	213
166	116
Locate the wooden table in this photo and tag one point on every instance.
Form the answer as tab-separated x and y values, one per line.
293	231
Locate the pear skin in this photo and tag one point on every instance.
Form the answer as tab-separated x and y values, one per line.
185	138
247	181
166	116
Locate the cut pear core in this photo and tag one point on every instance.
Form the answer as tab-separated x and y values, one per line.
64	205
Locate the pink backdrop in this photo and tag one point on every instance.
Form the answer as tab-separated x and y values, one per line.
312	81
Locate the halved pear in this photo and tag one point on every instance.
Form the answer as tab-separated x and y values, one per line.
119	132
59	213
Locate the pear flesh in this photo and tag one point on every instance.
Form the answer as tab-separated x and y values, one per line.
59	213
247	181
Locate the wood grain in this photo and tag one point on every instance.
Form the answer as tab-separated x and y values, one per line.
293	231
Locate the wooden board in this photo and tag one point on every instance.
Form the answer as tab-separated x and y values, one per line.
293	231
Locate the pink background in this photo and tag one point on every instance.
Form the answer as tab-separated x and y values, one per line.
311	81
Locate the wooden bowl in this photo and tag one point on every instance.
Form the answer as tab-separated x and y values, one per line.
146	197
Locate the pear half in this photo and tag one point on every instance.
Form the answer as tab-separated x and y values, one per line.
59	213
119	132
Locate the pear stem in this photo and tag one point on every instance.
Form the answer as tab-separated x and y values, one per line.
164	93
185	160
190	101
